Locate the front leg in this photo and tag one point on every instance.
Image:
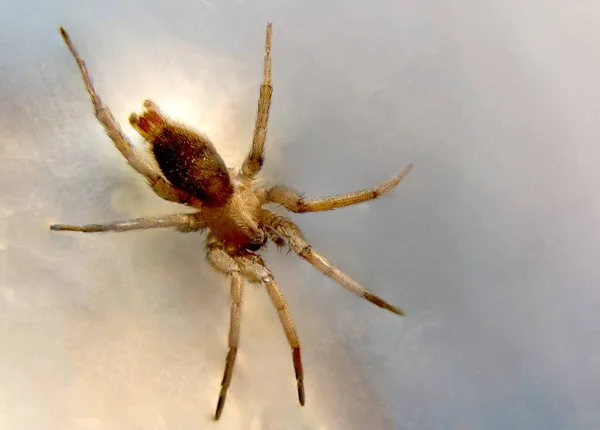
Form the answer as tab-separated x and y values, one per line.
224	263
254	268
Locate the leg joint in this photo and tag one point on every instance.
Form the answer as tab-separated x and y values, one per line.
306	251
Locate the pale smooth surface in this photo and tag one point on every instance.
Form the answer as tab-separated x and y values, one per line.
490	245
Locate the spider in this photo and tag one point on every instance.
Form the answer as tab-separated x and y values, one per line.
228	205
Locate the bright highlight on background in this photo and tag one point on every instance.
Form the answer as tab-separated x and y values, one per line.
491	244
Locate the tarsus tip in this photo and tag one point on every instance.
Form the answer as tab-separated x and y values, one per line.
398	312
394	309
378	301
219	410
407	169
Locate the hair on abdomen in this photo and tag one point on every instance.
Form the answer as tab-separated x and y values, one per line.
190	161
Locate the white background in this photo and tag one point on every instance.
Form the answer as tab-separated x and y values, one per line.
491	245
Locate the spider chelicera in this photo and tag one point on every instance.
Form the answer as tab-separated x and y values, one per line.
228	204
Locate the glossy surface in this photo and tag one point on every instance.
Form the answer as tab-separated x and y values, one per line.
490	245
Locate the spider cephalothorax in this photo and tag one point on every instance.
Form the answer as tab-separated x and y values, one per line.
229	206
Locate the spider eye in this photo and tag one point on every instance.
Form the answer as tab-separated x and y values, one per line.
255	246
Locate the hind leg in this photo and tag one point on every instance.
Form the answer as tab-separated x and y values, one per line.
160	186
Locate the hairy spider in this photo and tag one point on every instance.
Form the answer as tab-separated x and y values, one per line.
228	205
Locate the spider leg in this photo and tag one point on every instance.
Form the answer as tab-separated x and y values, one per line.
222	262
275	237
293	201
254	268
290	231
183	222
160	186
234	336
255	158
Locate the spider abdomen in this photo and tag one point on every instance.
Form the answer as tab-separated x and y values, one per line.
190	161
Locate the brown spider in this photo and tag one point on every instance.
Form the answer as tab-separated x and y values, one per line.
228	204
